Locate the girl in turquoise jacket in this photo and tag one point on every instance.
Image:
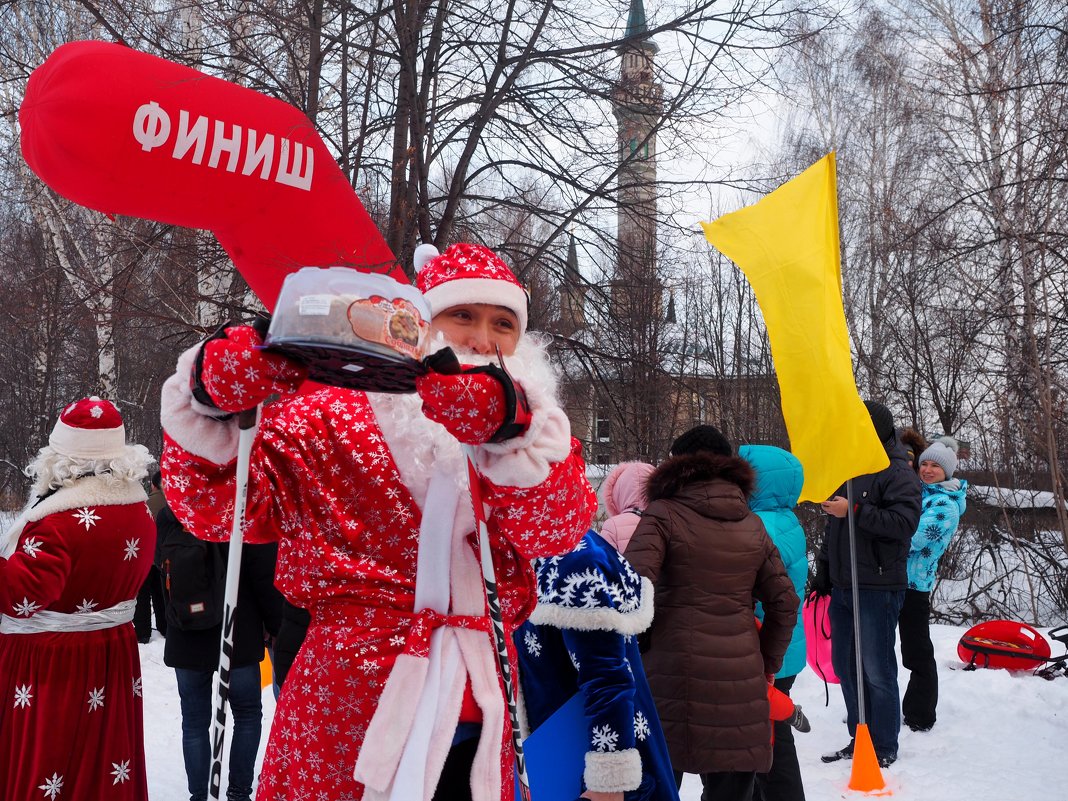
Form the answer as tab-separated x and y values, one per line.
942	505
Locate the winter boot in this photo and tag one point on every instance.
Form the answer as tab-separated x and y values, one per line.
843	753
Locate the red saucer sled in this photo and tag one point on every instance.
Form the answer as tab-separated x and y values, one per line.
1010	645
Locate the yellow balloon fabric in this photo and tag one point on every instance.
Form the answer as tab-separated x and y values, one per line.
787	246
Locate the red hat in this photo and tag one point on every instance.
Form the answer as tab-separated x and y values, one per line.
90	428
468	274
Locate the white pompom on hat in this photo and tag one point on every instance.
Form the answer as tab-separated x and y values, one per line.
467	273
89	428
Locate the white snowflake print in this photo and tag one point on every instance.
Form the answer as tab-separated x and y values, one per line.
121	772
641	726
604	738
86	605
26	608
23	696
52	786
132	547
96	412
574	659
32	546
96	699
530	639
137	687
87	517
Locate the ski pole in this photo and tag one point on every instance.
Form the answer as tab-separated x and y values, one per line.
497	618
248	424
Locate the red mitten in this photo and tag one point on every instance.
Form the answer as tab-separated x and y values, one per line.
231	373
476	404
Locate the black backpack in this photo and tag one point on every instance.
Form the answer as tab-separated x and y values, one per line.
194	575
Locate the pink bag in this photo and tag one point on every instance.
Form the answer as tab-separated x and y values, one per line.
818	636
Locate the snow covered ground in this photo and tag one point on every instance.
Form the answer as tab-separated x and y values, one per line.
999	735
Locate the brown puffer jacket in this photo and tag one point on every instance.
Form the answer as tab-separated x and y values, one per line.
709	558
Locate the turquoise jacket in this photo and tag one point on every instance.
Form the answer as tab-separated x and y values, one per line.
940	512
779	479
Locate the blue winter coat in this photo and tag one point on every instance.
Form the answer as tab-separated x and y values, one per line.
940	512
779	479
582	637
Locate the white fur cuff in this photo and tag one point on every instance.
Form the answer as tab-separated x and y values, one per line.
613	771
189	423
579	618
525	461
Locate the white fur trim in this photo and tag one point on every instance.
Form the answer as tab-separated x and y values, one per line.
387	734
88	443
577	619
191	424
87	491
492	291
613	771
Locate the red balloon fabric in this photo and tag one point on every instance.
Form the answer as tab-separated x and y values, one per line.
125	132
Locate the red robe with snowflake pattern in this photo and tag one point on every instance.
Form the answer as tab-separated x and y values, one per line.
71	721
339	477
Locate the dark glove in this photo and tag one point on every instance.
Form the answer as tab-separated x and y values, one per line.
232	373
475	404
820	583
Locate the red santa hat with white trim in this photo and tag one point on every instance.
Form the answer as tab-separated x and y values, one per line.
89	428
467	273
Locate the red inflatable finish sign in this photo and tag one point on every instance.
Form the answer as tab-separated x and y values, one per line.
124	132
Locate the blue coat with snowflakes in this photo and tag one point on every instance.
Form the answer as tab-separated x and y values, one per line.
940	512
582	637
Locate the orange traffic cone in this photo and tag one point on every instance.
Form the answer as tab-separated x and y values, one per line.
866	776
266	671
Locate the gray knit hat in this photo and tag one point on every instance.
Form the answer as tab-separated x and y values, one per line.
942	455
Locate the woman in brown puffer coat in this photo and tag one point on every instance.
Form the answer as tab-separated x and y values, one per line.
710	559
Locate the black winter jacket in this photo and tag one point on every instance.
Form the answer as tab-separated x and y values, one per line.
259	610
887	511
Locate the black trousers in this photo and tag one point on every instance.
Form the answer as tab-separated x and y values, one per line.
149	601
917	655
455	781
783	781
726	786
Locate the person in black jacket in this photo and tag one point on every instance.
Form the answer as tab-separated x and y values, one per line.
886	511
193	652
150	602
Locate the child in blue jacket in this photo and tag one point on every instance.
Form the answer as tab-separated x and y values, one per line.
779	478
942	505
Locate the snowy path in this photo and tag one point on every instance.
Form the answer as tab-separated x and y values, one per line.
999	736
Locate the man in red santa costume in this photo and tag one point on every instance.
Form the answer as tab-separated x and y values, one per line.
70	568
396	693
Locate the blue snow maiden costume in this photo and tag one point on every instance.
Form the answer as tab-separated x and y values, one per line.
582	637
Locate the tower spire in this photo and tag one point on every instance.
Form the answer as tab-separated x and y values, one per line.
636	19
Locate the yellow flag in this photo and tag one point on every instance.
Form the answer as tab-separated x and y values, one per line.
787	246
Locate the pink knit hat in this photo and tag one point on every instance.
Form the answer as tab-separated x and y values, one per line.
90	428
467	273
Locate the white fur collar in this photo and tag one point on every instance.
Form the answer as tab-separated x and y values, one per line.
562	616
87	491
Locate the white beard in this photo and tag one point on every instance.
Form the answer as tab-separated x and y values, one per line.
418	443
